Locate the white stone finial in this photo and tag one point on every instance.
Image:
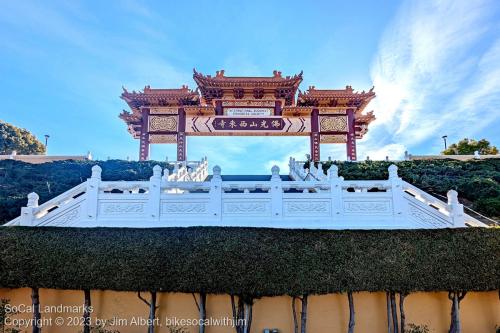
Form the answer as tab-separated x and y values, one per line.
96	172
217	171
33	199
333	171
476	154
320	169
157	171
393	171
452	197
275	171
14	153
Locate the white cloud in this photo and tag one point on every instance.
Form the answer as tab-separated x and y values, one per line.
432	75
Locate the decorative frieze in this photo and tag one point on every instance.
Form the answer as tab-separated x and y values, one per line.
244	207
332	111
159	123
307	207
333	124
333	138
67	218
367	207
184	207
425	218
249	103
163	138
163	110
119	208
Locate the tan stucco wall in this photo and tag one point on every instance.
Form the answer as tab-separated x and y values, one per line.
480	312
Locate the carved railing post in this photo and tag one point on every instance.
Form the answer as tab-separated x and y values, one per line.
336	192
216	193
27	216
93	193
154	193
276	193
456	209
398	203
319	172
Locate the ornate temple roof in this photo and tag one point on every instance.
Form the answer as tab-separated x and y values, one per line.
265	89
161	97
335	97
237	87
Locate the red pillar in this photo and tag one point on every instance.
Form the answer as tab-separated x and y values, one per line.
181	137
278	111
144	138
315	139
218	108
351	136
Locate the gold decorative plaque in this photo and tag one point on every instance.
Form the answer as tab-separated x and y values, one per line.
157	123
334	138
163	138
333	124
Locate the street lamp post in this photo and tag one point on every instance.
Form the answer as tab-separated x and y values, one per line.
46	142
444	139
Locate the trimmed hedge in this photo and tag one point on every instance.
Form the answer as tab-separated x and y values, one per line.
250	261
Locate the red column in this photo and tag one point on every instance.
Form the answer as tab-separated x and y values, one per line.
277	108
351	136
181	136
218	108
144	138
315	139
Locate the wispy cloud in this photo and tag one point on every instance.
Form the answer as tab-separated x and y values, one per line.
436	72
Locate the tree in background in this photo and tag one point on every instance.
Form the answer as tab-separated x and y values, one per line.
18	139
469	146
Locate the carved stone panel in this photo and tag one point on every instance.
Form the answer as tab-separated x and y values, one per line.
246	208
307	208
166	123
368	207
176	207
333	124
426	219
122	209
66	218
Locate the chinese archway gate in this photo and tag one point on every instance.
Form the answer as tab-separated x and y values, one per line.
223	105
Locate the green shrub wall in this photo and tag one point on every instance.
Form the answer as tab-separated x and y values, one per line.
250	261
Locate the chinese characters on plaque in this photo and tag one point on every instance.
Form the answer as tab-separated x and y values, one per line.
248	124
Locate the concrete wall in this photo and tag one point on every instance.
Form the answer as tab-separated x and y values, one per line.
480	312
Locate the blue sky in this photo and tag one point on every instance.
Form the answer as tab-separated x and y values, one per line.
435	66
